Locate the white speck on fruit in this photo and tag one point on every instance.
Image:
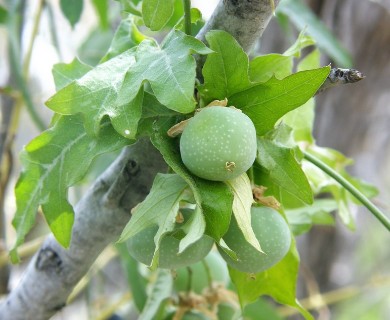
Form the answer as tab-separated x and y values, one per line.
127	132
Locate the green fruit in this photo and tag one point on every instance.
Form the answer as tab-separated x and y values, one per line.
274	237
218	143
141	247
199	280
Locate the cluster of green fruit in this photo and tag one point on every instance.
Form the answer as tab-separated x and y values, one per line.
219	143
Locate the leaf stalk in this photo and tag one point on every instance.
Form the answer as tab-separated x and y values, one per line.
187	17
383	219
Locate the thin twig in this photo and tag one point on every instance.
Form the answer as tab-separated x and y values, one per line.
338	76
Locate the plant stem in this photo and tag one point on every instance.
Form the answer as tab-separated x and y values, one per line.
351	188
14	40
187	16
37	20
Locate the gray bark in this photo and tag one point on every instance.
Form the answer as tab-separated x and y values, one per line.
99	220
104	211
245	20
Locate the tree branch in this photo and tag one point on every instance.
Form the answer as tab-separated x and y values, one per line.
102	213
245	20
99	220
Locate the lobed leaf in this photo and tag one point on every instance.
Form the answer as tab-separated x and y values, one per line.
52	164
126	37
66	73
115	88
265	103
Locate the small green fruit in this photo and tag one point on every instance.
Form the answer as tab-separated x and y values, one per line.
274	237
218	273
141	247
218	143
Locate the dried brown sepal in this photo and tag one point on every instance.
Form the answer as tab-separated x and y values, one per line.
219	294
179	217
191	301
134	209
268	201
177	129
218	103
230	166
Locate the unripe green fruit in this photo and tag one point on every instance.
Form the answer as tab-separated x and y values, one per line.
141	247
218	143
274	237
199	280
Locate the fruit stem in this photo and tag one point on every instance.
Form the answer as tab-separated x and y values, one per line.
352	189
208	273
187	16
189	283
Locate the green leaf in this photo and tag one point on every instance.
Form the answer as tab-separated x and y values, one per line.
225	72
95	46
303	17
131	6
194	229
72	10
52	163
126	37
156	13
303	41
303	218
95	95
265	103
214	198
322	183
242	203
262	309
301	120
115	87
281	165
65	73
102	9
3	15
136	282
262	68
160	207
196	16
279	282
160	291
